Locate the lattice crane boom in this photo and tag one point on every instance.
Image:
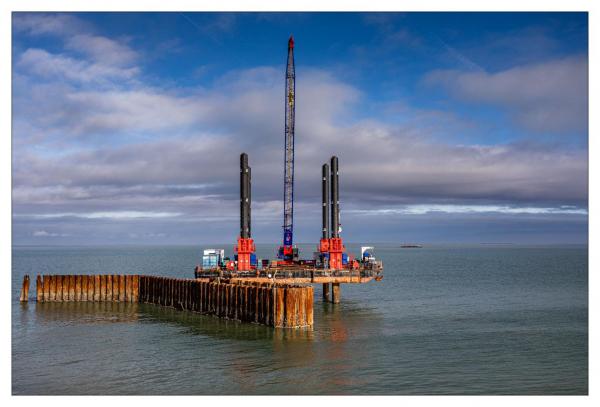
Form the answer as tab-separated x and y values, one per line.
286	251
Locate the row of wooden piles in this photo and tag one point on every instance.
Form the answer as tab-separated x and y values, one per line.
285	306
66	288
278	305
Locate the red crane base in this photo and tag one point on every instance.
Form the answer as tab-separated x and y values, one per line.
245	247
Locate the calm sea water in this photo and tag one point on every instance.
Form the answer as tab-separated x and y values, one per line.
444	320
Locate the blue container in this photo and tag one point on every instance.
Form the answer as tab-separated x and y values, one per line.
253	260
210	261
344	258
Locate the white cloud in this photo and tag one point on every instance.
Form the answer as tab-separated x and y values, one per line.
60	67
550	96
43	233
44	24
514	210
103	50
116	215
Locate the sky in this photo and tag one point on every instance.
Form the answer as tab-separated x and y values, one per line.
449	127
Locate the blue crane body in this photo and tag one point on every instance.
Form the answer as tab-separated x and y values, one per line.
287	251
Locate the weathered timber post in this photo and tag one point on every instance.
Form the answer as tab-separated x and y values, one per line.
265	307
252	290
142	290
165	290
198	293
279	306
200	296
236	291
77	296
135	288
89	288
215	298
259	303
153	290
25	289
39	289
46	283
206	297
301	319
71	287
161	290
335	292
209	297
263	304
194	295
175	290
289	307
103	285
127	289
171	292
57	286
156	290
146	288
309	306
268	297
244	303
83	287
325	292
52	288
223	302
109	287
65	287
122	287
218	298
62	288
188	295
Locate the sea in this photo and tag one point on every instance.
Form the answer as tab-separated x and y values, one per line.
454	319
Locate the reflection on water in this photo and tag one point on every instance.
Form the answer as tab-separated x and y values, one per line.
219	328
86	312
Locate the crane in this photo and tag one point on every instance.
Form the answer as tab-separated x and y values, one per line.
287	251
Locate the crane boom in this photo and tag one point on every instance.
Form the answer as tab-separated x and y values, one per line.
286	251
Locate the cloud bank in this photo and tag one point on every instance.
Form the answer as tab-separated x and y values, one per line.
94	141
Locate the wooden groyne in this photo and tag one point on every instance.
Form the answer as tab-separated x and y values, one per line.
278	305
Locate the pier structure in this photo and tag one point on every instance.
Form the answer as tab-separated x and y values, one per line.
331	265
277	305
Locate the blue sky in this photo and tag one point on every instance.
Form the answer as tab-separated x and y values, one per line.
450	127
